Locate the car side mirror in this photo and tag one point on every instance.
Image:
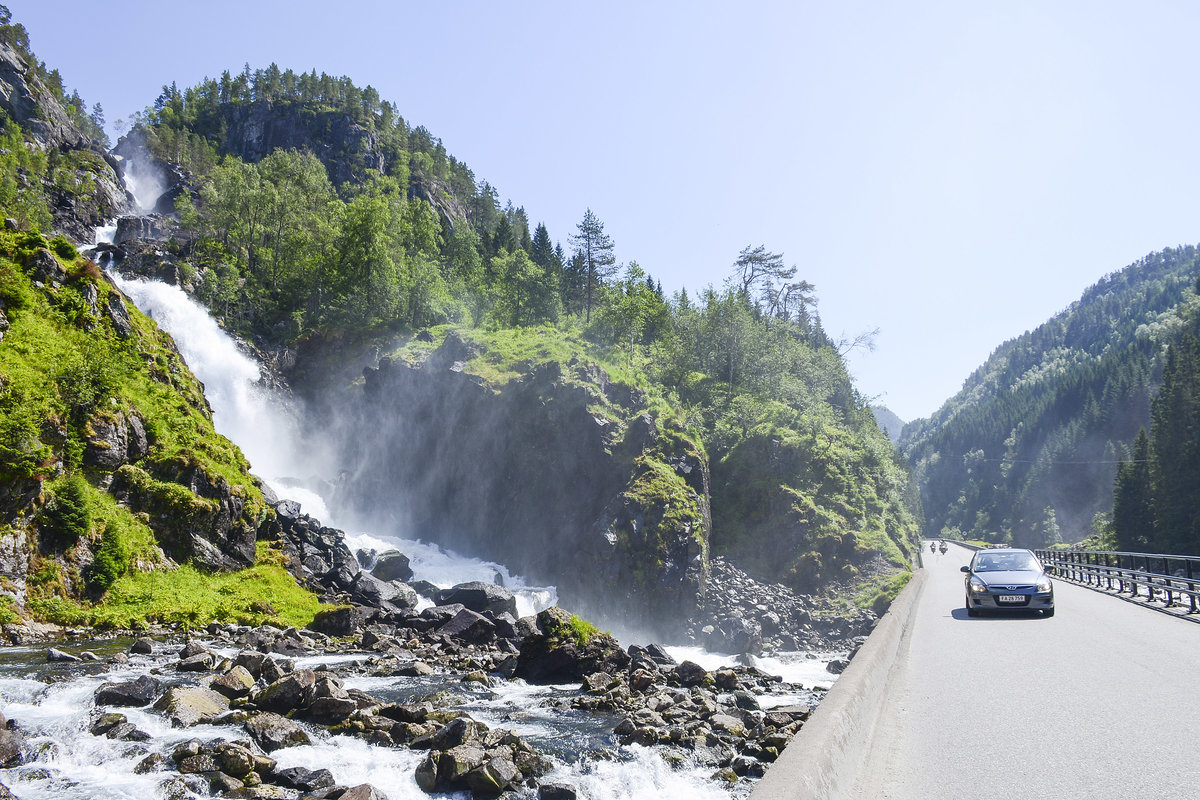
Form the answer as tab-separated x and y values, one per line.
964	568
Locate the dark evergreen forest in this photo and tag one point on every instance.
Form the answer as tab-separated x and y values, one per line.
1028	450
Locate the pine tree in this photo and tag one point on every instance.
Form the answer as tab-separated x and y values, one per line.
1175	465
1133	509
596	248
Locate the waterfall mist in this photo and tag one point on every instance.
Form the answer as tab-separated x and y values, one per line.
144	179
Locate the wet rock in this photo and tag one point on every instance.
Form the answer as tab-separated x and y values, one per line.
56	656
223	784
237	682
481	597
155	762
553	655
556	791
837	666
343	621
128	732
364	791
304	780
272	732
494	776
143	646
191	705
234	759
13	748
201	762
392	566
194	648
105	723
689	673
371	591
468	626
286	694
258	793
736	635
139	692
201	662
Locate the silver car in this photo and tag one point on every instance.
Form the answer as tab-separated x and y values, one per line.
1001	579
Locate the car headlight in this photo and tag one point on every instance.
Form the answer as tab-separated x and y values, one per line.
1044	585
976	586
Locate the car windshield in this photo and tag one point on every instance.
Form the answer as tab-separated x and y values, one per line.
1006	562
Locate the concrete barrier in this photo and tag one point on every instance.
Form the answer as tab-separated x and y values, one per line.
823	758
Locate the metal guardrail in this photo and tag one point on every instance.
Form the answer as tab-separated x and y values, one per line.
1171	579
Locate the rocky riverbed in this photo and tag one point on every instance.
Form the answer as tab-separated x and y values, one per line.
469	697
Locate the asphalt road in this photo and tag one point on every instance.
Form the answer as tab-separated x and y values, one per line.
1100	701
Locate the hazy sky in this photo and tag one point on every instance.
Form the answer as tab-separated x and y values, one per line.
952	173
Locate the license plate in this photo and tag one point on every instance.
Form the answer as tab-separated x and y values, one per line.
1011	598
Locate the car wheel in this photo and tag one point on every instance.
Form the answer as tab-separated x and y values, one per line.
1049	612
971	612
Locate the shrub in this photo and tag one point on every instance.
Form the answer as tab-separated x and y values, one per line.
111	561
66	518
63	248
8	614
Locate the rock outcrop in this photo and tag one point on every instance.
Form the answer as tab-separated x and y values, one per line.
560	470
96	192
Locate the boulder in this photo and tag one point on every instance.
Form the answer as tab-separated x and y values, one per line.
469	627
191	705
139	692
237	682
339	621
736	635
494	776
201	662
480	597
371	591
107	444
272	732
304	780
689	673
143	646
554	654
287	694
56	656
364	791
392	566
13	748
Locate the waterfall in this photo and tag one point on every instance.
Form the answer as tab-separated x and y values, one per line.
271	436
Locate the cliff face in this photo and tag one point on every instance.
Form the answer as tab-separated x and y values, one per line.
83	185
560	472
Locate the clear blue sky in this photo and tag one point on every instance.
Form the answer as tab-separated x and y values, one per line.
952	173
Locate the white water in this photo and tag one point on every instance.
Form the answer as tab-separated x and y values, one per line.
145	182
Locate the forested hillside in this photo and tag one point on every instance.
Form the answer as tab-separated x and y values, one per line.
1027	451
1156	504
378	232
